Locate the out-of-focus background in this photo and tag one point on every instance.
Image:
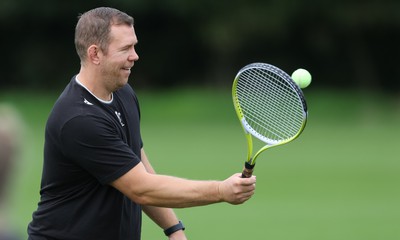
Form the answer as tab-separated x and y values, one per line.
339	180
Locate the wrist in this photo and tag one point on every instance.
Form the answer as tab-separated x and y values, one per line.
220	193
178	235
174	228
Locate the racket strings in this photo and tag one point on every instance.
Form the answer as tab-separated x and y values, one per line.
269	92
273	132
290	104
270	105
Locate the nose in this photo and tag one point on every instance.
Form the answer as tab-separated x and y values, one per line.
133	56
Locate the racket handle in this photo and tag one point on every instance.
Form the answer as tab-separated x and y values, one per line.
247	170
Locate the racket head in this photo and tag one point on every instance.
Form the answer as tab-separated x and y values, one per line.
269	105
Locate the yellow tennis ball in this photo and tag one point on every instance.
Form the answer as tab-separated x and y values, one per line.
301	77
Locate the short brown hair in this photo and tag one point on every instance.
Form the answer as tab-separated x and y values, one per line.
94	27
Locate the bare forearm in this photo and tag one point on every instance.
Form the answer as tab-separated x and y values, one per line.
167	191
173	192
174	189
163	217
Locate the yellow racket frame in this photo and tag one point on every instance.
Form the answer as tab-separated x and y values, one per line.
251	161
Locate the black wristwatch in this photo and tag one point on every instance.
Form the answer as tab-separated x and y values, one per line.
174	228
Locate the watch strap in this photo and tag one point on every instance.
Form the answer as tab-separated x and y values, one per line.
174	228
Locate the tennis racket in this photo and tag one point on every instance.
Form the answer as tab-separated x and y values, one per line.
270	107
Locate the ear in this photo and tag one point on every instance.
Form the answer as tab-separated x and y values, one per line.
93	54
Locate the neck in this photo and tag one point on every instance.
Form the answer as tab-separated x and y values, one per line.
91	82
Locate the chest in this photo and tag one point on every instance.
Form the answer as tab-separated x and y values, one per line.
125	118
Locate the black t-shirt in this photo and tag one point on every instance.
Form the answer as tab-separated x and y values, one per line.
88	144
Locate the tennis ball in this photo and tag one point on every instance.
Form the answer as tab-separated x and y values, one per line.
301	77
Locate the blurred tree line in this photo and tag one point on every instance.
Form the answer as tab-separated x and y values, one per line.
352	44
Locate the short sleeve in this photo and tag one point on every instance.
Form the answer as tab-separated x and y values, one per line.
94	144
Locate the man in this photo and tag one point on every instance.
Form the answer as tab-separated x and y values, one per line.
96	177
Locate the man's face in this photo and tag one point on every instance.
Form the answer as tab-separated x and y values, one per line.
121	56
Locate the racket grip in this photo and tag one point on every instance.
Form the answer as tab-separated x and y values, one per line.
247	170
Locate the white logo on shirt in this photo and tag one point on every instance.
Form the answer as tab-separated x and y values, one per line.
119	118
87	102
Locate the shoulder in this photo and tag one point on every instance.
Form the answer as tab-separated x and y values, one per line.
75	103
87	128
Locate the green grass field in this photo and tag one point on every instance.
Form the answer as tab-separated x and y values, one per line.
338	181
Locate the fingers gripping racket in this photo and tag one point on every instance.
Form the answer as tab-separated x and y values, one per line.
270	107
